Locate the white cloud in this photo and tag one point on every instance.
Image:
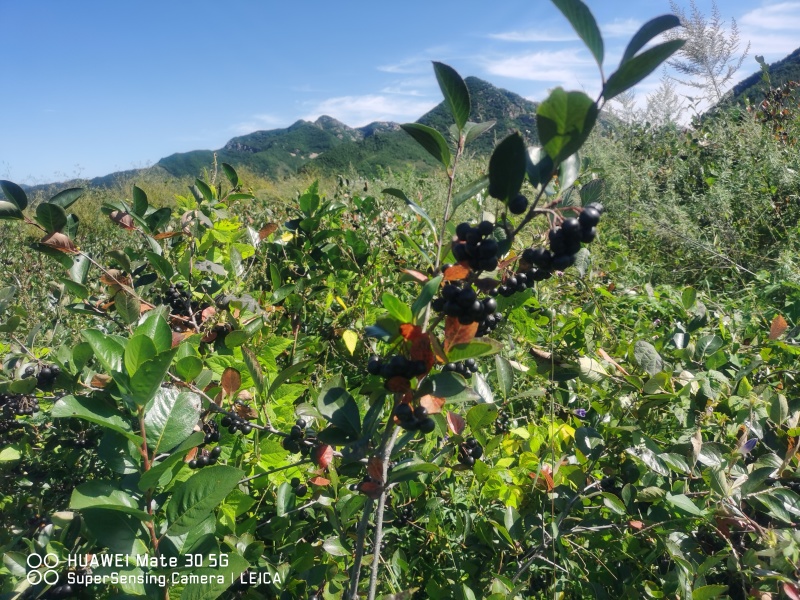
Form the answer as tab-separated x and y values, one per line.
771	30
562	67
533	35
357	111
620	28
256	123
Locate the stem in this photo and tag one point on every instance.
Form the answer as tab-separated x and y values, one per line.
452	177
384	455
362	534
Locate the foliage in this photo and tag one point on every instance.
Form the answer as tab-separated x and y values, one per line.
281	397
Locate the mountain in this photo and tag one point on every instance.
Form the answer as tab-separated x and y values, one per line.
786	69
327	145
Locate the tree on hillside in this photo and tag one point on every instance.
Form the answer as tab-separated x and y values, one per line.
710	56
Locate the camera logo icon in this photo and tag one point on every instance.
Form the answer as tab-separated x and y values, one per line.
35	561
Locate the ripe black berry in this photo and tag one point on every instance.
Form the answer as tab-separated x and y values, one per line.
427	425
518	204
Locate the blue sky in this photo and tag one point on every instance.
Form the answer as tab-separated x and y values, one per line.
93	86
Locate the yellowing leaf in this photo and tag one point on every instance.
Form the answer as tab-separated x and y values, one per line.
350	339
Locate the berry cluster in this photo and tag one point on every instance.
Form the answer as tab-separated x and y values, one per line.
236	423
299	489
502	423
404	515
7	425
476	247
469	452
82	440
489	324
46	376
211	432
180	300
397	366
465	368
297	434
39	522
565	241
18	405
414	419
464	304
519	282
205	457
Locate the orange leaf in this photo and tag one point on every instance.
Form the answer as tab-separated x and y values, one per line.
231	380
323	455
59	241
320	481
410	332
167	234
115	277
190	455
421	277
636	524
99	380
421	350
433	404
267	230
122	219
455	422
778	326
207	313
438	351
456	333
456	273
178	337
375	469
244	411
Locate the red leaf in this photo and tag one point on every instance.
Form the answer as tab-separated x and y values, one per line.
207	313
433	404
398	384
375	469
323	455
190	455
370	489
421	350
122	219
410	332
422	278
636	524
455	422
778	326
320	481
456	273
456	333
791	590
231	380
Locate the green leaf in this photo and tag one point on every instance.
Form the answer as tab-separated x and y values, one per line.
231	174
170	417
455	93
195	498
505	374
646	356
14	194
473	130
350	339
96	411
481	415
161	265
106	349
614	503
647	32
204	189
79	269
140	203
682	502
51	216
589	442
707	592
507	168
138	350
474	349
149	377
412	205
219	579
334	547
66	198
448	385
158	475
119	532
564	121
688	298
10	454
427	294
287	374
254	368
637	68
338	406
188	367
539	166
410	470
155	327
105	495
582	20
9	211
285	499
431	140
128	307
468	192
397	308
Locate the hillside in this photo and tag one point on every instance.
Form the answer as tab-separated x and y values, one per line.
786	69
